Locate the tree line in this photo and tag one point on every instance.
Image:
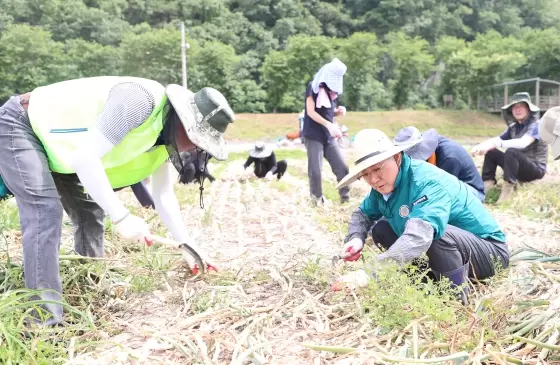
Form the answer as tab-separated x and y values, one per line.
262	53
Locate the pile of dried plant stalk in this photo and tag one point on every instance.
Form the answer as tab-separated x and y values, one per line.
284	319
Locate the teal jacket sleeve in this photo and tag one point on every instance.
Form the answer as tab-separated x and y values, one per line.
432	204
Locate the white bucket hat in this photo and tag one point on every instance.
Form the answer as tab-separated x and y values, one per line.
549	130
260	150
371	146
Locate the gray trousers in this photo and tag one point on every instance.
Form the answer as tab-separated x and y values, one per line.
454	249
41	196
332	153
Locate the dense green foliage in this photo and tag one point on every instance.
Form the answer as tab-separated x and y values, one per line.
261	53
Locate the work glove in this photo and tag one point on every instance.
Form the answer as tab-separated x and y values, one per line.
334	130
353	249
134	229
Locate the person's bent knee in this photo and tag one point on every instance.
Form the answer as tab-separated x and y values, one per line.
511	153
382	233
444	257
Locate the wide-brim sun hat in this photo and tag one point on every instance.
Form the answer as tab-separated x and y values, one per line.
427	142
523	97
549	130
205	115
507	112
371	146
260	150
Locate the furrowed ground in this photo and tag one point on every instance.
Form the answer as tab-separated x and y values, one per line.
272	303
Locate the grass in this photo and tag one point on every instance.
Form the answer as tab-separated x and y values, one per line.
453	124
536	201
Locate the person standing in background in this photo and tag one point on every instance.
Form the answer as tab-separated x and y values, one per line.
319	130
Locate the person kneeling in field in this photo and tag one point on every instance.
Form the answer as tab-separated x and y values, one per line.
444	153
426	210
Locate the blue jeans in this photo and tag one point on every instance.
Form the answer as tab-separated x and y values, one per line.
477	193
41	197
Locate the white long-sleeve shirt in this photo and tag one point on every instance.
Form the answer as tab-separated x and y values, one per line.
127	107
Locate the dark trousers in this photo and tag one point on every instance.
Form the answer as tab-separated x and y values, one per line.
516	165
279	169
454	249
332	153
141	192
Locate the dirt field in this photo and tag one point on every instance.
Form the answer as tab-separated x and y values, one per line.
273	294
263	233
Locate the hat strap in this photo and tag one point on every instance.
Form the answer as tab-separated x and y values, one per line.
367	156
212	113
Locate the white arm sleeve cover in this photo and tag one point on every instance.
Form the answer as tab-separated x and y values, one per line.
127	106
87	164
517	143
166	202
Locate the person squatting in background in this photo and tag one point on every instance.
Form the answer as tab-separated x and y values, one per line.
265	162
526	154
193	171
444	153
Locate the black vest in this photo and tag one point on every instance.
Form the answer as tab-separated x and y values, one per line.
538	149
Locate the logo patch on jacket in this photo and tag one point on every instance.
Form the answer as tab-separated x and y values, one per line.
404	211
420	200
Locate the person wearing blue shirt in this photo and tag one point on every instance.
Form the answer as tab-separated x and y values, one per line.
526	153
444	153
426	210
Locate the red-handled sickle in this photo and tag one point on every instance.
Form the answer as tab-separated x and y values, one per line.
200	264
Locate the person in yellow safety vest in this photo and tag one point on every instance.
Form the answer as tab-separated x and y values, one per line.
69	144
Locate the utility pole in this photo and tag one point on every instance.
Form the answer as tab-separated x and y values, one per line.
184	47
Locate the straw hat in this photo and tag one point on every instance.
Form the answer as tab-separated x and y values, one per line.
371	147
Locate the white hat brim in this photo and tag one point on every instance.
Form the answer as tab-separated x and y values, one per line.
355	171
267	151
204	137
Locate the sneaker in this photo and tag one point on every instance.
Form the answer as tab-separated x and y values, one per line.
489	184
507	192
321	201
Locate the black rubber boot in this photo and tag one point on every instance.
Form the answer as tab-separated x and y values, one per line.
458	277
